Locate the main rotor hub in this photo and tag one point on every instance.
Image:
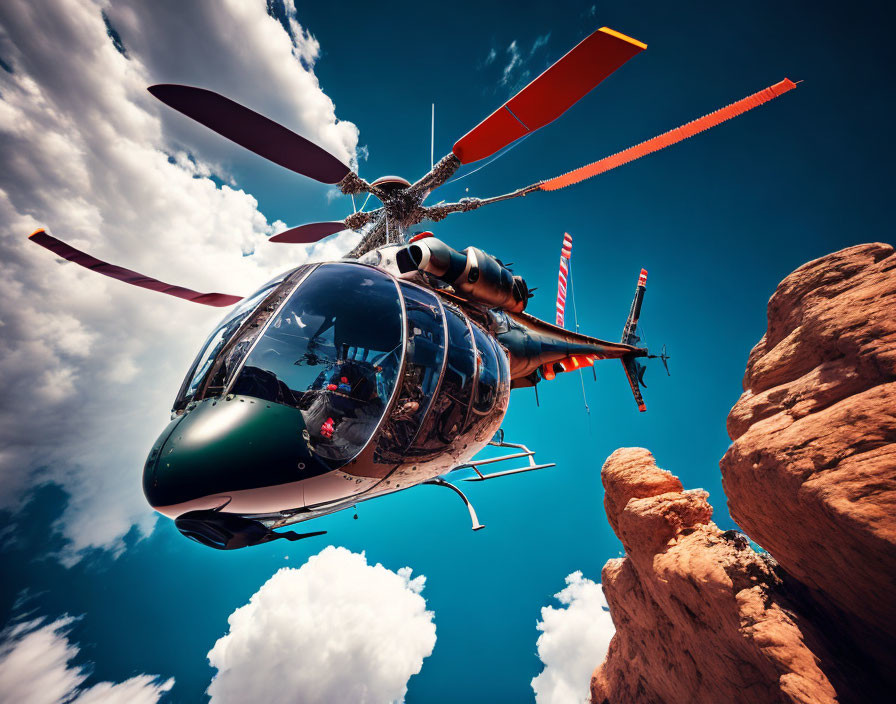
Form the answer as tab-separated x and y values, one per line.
390	184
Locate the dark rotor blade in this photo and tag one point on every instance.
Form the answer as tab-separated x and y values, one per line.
255	132
550	95
305	234
312	232
61	249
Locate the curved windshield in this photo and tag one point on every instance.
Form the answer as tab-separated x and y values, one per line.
219	337
334	352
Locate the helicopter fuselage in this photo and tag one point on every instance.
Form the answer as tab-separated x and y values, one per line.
339	382
336	384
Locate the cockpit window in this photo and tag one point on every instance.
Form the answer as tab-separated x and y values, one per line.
219	337
487	382
449	411
424	359
334	351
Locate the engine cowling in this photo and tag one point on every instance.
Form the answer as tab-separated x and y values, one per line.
472	273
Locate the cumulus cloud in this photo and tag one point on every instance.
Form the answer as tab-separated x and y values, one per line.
35	669
89	366
237	48
573	641
335	630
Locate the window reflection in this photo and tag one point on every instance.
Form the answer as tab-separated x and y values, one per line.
449	410
487	383
333	351
423	365
219	337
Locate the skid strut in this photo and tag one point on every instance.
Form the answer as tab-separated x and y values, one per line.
441	482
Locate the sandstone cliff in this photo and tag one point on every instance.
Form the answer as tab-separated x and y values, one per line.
811	474
811	477
700	617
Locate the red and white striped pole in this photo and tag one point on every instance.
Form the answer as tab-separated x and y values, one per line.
563	278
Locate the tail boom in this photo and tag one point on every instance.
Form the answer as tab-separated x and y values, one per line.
541	349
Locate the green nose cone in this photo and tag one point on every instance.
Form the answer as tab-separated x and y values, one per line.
228	445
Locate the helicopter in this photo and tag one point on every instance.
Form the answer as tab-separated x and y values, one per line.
342	381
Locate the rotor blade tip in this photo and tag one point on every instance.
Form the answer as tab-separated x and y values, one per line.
623	37
40	231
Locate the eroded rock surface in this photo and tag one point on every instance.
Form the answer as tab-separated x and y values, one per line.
811	474
700	617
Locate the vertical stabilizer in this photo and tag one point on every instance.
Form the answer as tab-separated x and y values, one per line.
629	332
633	370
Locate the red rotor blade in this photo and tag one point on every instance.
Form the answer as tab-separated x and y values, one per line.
305	234
255	132
61	249
669	138
550	95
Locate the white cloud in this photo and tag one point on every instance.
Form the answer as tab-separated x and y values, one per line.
236	48
573	641
89	366
514	60
540	41
334	630
34	669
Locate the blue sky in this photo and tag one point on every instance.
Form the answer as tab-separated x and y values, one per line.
717	221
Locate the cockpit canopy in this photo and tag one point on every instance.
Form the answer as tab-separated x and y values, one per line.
334	352
334	341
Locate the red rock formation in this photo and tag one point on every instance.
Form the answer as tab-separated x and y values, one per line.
700	617
811	475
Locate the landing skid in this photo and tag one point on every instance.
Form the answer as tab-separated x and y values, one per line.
480	477
525	452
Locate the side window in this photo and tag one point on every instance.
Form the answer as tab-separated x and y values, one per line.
426	344
449	409
423	367
486	390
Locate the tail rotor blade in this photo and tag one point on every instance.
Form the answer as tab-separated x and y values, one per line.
255	132
66	251
306	234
